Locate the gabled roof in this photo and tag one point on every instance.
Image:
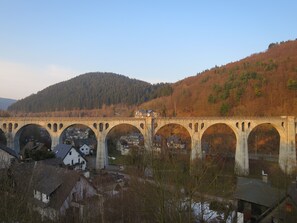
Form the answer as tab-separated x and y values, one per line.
53	181
9	151
258	192
57	162
292	192
47	181
61	150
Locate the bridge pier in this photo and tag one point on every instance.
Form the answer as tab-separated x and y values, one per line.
287	150
196	150
55	139
241	154
101	152
148	133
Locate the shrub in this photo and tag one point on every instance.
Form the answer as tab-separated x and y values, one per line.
224	109
212	99
292	84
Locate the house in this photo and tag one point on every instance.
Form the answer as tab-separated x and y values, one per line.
70	156
85	149
52	190
286	210
7	156
256	197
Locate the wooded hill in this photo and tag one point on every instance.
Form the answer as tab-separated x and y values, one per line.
91	91
261	84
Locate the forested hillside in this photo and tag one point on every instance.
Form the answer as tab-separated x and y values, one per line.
261	84
91	91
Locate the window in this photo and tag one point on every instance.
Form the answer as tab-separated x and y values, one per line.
70	153
71	162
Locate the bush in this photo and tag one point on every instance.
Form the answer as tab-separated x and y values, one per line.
224	109
239	93
292	84
212	99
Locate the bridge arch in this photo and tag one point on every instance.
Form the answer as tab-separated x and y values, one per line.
175	131
220	128
264	148
112	125
218	144
41	133
63	135
233	128
279	127
120	139
162	125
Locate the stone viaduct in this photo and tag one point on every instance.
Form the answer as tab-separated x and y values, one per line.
242	126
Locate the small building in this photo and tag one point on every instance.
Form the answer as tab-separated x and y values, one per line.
145	113
85	149
286	210
70	156
7	156
52	190
255	198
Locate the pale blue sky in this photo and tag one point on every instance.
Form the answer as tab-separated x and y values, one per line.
45	42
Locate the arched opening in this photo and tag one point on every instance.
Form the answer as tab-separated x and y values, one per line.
33	142
125	145
218	147
3	140
83	139
263	148
172	143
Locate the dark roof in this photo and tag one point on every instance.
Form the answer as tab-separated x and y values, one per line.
58	162
292	192
61	150
50	180
9	151
47	181
258	192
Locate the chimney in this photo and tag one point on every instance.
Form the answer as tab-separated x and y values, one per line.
264	177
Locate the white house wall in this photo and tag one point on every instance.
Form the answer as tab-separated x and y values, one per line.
75	157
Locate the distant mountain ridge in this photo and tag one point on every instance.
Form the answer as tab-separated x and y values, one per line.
6	102
91	91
